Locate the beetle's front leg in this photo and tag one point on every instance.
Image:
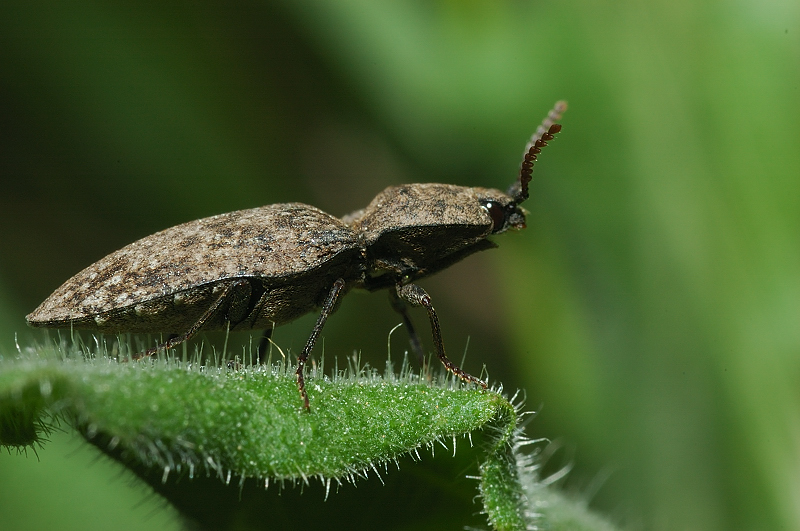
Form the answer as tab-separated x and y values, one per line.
327	309
417	296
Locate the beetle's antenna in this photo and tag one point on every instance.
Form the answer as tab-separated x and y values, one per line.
552	117
544	133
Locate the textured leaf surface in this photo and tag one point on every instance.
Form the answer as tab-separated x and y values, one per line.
168	420
247	421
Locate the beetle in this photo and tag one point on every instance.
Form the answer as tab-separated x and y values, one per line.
258	268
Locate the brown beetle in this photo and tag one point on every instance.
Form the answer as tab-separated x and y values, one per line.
253	269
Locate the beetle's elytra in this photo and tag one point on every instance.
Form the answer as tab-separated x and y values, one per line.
253	269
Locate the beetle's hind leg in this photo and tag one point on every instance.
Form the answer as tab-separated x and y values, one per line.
232	294
417	296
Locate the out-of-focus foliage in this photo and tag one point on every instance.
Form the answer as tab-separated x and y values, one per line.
651	306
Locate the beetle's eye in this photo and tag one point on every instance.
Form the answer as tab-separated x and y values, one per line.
497	213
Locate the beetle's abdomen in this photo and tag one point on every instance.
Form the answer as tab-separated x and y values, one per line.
168	314
164	281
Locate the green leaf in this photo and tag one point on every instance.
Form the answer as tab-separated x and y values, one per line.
224	426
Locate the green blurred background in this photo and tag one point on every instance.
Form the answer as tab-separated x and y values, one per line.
652	307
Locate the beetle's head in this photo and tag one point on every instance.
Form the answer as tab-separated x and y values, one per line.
415	230
544	133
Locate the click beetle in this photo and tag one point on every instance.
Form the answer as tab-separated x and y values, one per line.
257	268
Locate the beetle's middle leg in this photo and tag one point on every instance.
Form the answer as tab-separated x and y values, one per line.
327	309
232	294
417	296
